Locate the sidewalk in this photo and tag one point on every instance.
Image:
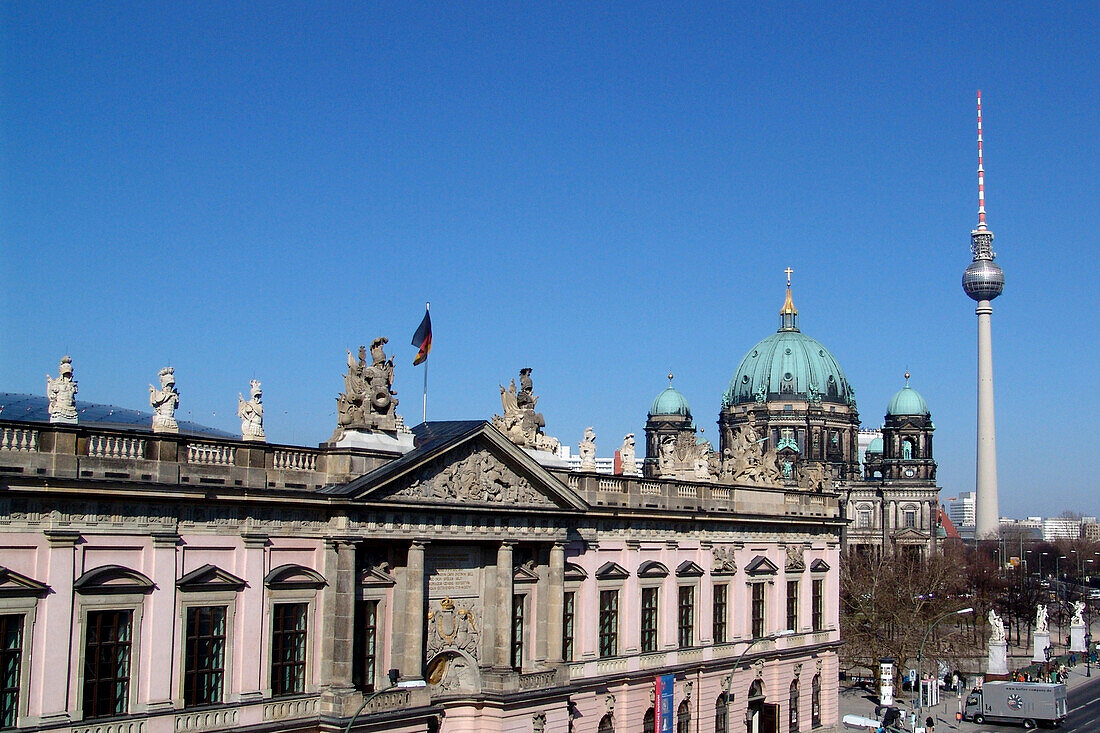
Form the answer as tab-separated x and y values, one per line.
857	699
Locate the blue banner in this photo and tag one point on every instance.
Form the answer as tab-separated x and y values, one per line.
665	687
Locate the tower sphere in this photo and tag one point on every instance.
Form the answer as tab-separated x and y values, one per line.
983	280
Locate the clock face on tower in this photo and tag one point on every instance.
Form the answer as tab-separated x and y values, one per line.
910	473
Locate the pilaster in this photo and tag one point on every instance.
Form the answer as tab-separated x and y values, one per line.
553	604
250	618
54	643
162	606
338	628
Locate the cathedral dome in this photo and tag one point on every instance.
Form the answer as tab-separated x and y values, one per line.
875	447
907	401
789	365
670	402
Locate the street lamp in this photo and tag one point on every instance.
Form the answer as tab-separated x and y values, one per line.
394	685
920	652
737	662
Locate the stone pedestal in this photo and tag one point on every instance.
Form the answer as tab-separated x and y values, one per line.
1077	638
1041	641
998	658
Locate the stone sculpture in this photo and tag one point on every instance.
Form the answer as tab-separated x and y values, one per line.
702	460
251	412
996	627
453	626
627	455
164	402
1041	624
667	458
1078	614
520	423
794	561
477	478
723	558
814	477
368	402
62	393
587	449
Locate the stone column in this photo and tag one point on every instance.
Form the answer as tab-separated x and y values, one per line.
250	617
159	623
555	594
50	679
338	627
409	642
502	632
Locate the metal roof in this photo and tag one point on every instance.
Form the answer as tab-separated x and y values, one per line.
35	408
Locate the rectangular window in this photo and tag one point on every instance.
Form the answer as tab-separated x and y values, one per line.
792	605
107	645
288	649
609	623
757	611
517	631
369	614
686	607
819	605
720	604
11	665
204	656
863	518
650	599
568	625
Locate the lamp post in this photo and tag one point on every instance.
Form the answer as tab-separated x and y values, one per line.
737	663
920	651
394	685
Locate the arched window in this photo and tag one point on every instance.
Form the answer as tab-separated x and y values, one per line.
606	726
793	715
722	714
648	722
815	702
683	718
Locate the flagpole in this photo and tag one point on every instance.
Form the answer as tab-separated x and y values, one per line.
425	413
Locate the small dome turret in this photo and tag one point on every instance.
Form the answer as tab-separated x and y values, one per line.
875	447
907	401
670	402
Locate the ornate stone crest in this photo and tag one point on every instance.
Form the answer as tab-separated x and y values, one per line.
723	559
795	562
453	625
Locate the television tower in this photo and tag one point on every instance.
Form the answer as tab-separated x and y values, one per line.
983	281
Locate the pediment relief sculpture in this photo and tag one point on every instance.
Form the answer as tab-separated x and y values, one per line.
478	478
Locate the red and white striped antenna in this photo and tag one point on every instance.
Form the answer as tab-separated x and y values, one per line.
981	170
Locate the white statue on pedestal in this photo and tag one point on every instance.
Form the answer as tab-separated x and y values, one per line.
587	449
62	393
627	456
1078	614
1041	619
164	402
996	627
251	413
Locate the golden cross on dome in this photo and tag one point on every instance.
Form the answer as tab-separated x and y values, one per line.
788	271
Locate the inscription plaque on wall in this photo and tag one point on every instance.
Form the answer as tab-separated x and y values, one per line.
454	570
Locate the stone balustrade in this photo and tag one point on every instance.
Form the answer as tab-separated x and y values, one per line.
211	454
124	447
19	439
294	460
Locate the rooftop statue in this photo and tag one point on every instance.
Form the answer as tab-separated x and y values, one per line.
164	402
62	393
703	453
815	477
587	449
1041	626
996	627
520	423
628	456
251	413
368	401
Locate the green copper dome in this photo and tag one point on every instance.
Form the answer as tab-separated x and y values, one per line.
789	365
907	401
670	402
875	446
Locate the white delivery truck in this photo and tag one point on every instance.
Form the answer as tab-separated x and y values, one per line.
1028	703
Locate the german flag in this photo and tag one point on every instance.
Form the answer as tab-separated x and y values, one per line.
422	339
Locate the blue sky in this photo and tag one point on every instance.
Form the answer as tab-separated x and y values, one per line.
603	192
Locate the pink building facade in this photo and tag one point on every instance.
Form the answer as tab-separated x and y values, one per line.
171	583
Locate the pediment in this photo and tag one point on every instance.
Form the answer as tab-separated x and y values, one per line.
761	565
652	569
16	585
294	577
112	579
612	571
688	569
524	574
574	572
377	576
209	577
909	533
479	468
819	566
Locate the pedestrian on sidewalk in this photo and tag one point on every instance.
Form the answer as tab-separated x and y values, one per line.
929	725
